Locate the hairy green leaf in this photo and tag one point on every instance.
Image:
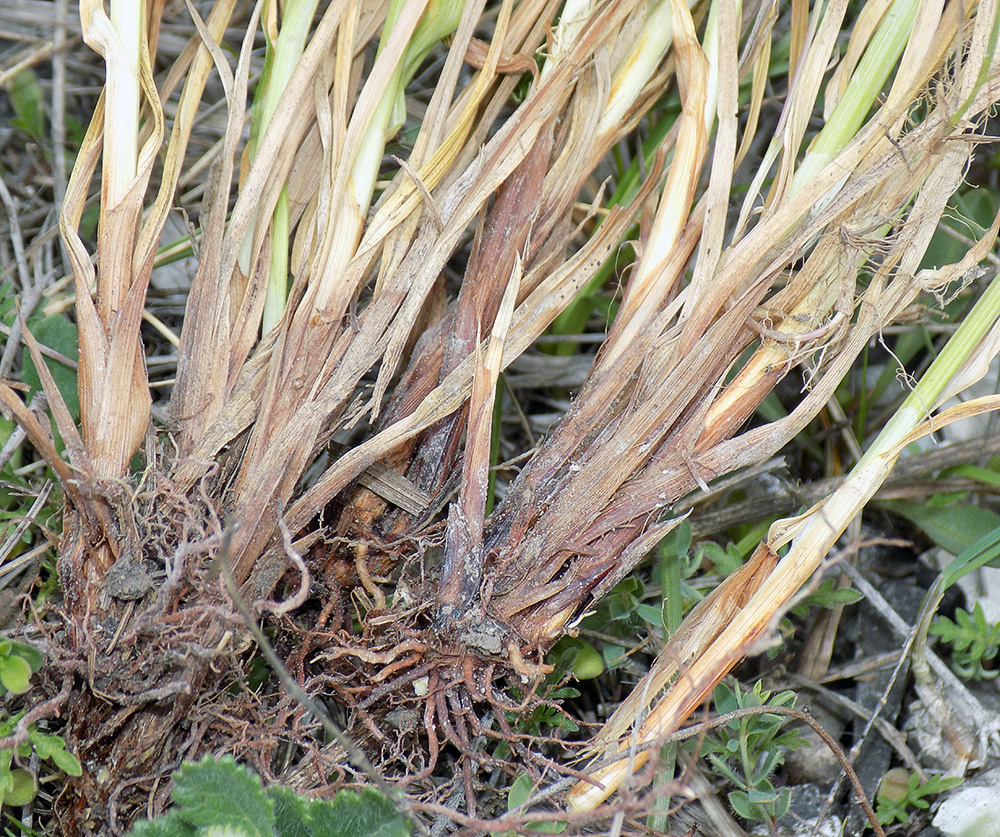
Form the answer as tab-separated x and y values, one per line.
368	814
221	793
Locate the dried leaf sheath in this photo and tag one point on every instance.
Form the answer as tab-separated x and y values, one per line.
262	487
462	570
931	155
431	464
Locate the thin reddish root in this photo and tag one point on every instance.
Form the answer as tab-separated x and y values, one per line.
405	663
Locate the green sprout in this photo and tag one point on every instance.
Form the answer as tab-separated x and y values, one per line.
748	750
974	642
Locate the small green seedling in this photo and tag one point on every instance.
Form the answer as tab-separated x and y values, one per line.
748	750
545	716
901	790
18	661
827	594
974	642
17	785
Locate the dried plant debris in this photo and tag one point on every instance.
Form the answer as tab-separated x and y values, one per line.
410	331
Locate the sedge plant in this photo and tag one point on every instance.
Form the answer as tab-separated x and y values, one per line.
329	429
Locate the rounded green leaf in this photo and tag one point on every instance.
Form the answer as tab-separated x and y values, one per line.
520	791
15	672
895	784
23	790
589	663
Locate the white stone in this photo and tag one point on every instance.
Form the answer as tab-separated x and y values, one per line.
973	809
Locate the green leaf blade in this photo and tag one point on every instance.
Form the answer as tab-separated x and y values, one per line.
954	528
